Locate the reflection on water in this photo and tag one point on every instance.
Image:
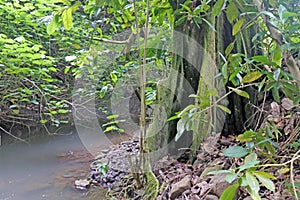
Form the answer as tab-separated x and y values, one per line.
45	169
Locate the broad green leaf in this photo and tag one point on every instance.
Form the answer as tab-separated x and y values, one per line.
283	170
67	69
277	56
254	195
288	14
247	136
251	157
53	25
225	109
67	18
229	48
43	121
237	26
52	69
180	128
252	181
16	111
229	193
268	183
240	92
281	10
235	152
276	74
251	77
63	111
275	93
265	174
230	177
232	12
217	7
248	165
114	77
261	84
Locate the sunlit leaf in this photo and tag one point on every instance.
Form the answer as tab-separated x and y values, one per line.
53	25
237	26
251	77
268	183
217	7
230	177
252	181
225	109
67	18
240	92
229	193
232	11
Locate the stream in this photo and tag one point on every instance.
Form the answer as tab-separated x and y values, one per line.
46	169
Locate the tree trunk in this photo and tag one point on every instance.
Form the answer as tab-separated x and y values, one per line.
193	71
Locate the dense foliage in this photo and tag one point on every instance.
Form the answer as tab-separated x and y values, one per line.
47	46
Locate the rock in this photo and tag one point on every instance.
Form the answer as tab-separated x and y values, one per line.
82	184
287	104
218	184
211	197
180	187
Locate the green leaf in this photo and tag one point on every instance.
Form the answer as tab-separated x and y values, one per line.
225	109
252	181
232	12
248	165
229	48
229	193
67	69
103	91
67	18
251	77
275	93
237	26
114	77
217	7
43	121
180	128
63	111
53	25
277	56
247	136
265	174
173	118
235	152
230	177
268	183
240	92
251	157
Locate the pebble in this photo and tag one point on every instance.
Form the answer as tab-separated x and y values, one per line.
116	158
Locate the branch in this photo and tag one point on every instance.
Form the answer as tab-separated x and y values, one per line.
112	41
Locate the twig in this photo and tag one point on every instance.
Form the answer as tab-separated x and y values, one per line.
5	131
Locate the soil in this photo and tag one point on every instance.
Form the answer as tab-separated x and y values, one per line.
180	179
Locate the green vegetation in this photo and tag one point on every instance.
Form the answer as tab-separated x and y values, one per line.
46	46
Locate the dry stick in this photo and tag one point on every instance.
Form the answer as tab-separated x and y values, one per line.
292	175
5	131
261	112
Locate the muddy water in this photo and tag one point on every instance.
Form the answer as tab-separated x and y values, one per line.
46	169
